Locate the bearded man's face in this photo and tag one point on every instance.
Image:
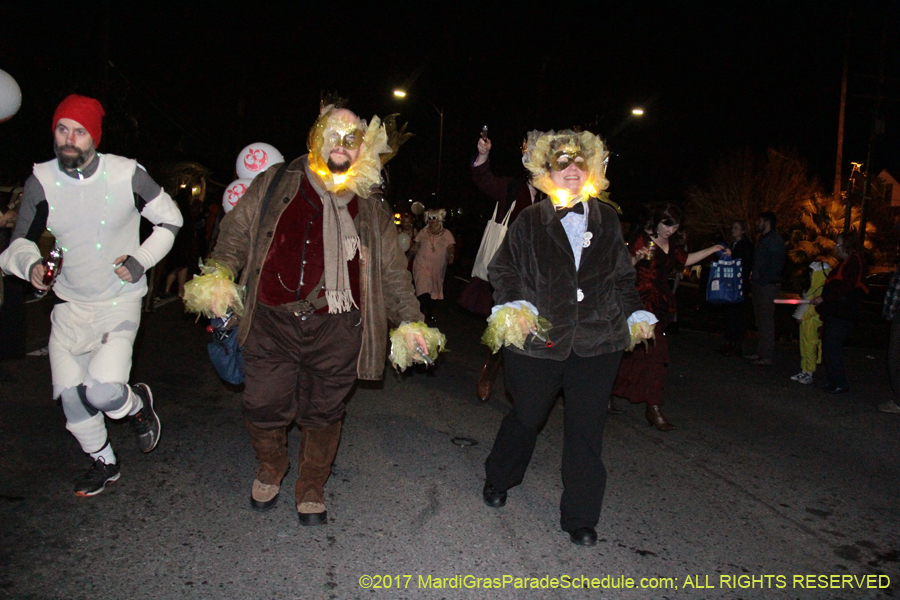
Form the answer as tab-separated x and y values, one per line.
72	144
342	141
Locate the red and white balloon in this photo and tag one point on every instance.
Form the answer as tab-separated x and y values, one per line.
256	158
235	190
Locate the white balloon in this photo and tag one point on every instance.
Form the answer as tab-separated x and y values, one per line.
256	158
10	96
403	239
417	207
233	193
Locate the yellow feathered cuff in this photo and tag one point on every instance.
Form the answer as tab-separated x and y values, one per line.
213	291
401	356
637	336
505	328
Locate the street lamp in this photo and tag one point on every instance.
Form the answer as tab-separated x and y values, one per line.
440	111
638	112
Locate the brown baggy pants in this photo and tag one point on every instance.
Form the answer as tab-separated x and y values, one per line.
299	370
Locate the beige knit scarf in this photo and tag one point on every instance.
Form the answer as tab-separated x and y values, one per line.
341	243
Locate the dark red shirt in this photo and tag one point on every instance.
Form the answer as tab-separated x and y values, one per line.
298	248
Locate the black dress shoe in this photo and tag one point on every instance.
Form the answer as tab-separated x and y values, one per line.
584	536
492	497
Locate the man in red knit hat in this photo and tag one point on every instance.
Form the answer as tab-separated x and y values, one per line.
92	204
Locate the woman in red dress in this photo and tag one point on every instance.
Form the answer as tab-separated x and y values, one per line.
656	252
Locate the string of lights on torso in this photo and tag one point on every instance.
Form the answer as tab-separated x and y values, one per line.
102	222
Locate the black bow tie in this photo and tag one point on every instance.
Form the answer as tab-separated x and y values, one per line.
578	208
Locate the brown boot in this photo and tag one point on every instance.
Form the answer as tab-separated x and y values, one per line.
656	418
318	447
488	374
270	446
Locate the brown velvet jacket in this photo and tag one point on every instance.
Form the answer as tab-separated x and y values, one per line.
535	263
385	283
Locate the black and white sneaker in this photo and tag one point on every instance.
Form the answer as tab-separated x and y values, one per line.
96	478
145	423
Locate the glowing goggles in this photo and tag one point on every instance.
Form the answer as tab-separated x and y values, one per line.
351	140
564	159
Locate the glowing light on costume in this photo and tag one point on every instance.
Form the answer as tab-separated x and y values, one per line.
328	132
543	148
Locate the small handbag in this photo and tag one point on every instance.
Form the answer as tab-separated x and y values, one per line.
726	282
494	233
224	352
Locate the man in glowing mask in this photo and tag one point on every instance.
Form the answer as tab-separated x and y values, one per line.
324	275
564	259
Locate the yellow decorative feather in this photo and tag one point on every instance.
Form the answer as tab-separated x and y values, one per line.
402	357
213	291
512	326
638	337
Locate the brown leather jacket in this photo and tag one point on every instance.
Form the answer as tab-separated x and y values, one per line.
385	284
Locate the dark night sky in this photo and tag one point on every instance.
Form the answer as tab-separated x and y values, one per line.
713	77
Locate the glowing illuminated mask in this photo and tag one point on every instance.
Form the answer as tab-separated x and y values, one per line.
351	140
562	160
340	131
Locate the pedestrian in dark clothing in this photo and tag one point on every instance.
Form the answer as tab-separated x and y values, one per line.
891	307
478	294
839	307
12	289
768	265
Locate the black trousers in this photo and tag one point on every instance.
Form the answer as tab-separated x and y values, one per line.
534	384
735	323
834	334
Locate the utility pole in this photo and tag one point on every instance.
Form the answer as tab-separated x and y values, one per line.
877	127
840	140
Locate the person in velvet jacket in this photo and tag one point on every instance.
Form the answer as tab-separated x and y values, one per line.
566	259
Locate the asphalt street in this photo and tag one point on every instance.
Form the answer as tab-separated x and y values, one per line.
763	483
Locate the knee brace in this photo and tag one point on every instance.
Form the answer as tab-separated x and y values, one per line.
75	405
115	399
91	434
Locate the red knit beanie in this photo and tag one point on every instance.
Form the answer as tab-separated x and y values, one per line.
85	111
